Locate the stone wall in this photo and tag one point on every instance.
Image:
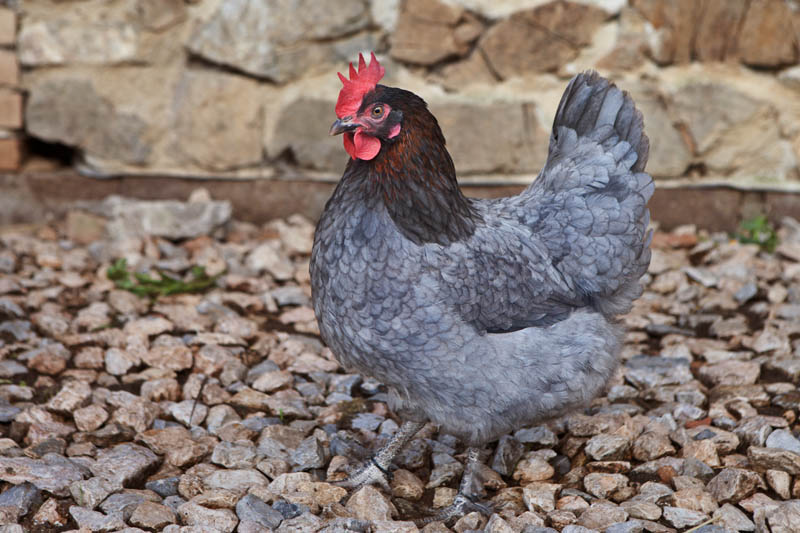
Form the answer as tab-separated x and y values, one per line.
246	88
10	95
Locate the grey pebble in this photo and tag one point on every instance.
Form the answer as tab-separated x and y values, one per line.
631	526
255	510
164	487
371	386
122	503
336	397
10	368
289	510
15	330
309	454
784	440
747	292
261	368
705	434
94	521
508	453
367	421
541	435
21	496
289	295
173	502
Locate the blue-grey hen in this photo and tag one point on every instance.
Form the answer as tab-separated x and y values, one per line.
481	316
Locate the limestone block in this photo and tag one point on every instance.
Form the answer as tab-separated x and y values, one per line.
540	39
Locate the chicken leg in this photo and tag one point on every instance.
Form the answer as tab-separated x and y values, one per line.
468	490
376	470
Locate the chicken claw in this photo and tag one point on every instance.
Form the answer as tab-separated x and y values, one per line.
371	473
464	501
462	505
376	470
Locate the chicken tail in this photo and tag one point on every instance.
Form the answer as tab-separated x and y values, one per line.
590	103
589	203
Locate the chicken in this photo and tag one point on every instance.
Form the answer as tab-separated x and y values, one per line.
482	316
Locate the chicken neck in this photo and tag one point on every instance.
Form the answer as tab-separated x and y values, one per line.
415	179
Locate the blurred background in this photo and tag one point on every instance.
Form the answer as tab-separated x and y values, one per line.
155	98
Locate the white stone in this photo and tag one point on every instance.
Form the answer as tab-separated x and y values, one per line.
58	42
385	13
268	34
497	9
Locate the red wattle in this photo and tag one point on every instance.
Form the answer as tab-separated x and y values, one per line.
349	145
361	146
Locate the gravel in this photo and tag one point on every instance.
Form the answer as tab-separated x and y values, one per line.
223	410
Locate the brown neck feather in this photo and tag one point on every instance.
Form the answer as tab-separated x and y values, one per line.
415	178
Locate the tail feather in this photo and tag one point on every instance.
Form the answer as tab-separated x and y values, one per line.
590	102
589	204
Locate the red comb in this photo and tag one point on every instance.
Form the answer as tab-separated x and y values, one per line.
359	84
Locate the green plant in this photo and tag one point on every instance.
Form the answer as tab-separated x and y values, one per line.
145	285
758	230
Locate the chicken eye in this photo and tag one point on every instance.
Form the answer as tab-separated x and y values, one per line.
377	111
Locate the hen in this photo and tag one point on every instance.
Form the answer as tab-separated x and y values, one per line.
482	316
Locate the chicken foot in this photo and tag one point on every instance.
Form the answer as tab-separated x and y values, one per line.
376	470
464	501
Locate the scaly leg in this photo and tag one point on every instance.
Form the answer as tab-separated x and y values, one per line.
376	470
467	492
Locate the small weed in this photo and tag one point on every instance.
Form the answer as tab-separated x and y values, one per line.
281	416
758	230
20	383
145	285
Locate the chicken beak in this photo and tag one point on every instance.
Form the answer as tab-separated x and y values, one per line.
342	125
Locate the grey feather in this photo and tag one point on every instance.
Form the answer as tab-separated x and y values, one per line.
513	321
